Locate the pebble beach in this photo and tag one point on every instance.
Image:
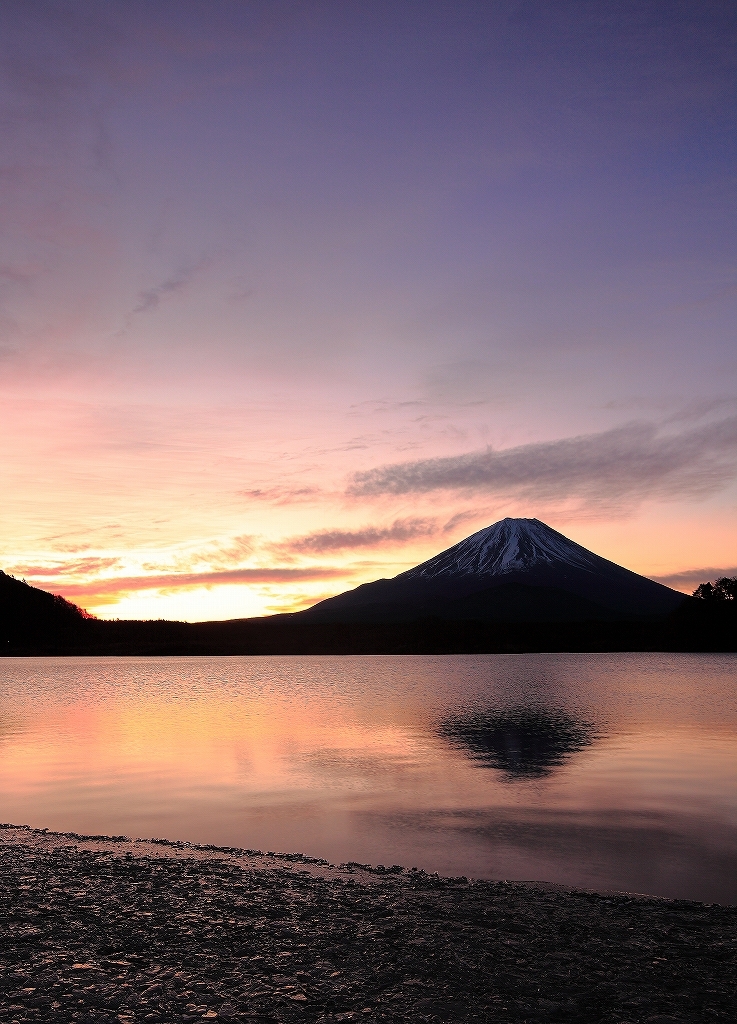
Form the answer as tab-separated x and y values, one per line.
108	929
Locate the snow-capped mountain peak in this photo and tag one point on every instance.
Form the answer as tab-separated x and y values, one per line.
508	546
515	570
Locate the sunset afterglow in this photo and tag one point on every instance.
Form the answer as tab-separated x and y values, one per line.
294	296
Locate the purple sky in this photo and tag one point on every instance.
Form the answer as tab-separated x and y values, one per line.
264	264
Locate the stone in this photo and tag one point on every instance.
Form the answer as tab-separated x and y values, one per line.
167	933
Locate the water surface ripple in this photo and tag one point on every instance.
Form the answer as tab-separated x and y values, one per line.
599	771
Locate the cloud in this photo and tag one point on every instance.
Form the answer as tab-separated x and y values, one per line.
188	581
80	567
460	518
689	579
289	603
280	495
613	469
701	409
150	298
215	555
370	536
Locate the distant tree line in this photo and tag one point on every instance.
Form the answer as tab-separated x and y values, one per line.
724	589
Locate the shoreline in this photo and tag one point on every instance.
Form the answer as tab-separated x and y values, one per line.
317	865
695	627
97	928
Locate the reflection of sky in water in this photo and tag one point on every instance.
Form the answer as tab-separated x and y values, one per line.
522	742
605	771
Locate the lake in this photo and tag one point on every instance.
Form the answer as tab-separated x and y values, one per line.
597	771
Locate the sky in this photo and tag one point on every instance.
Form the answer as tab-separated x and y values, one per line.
294	295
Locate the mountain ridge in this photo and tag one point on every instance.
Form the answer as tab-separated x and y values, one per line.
526	552
506	546
510	617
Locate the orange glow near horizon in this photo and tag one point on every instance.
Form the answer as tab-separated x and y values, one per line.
251	357
194	583
120	584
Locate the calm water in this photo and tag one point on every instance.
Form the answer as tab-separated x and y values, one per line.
603	771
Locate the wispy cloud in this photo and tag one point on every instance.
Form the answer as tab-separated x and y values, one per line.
280	495
401	530
689	579
295	602
215	555
187	581
150	298
470	515
691	412
612	469
78	567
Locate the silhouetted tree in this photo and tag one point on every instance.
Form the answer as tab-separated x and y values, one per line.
724	589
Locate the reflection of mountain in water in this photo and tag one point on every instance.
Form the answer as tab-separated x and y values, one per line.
524	743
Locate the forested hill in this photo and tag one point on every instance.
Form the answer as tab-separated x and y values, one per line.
33	622
30	617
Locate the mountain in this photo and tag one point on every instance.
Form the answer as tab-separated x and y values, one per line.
515	587
515	570
29	616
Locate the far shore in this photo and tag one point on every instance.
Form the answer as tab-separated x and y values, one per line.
696	630
96	928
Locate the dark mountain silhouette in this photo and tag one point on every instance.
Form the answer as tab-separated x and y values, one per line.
516	586
518	570
29	616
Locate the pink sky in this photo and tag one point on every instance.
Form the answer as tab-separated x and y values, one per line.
292	298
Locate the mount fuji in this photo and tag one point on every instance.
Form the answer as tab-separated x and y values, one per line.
515	570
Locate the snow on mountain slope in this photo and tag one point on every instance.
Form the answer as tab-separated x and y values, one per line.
512	553
508	546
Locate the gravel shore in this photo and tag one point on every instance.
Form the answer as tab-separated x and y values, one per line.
102	929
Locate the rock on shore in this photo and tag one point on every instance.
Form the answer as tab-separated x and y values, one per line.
96	929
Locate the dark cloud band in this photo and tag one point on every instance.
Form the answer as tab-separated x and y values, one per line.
187	581
625	464
370	536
